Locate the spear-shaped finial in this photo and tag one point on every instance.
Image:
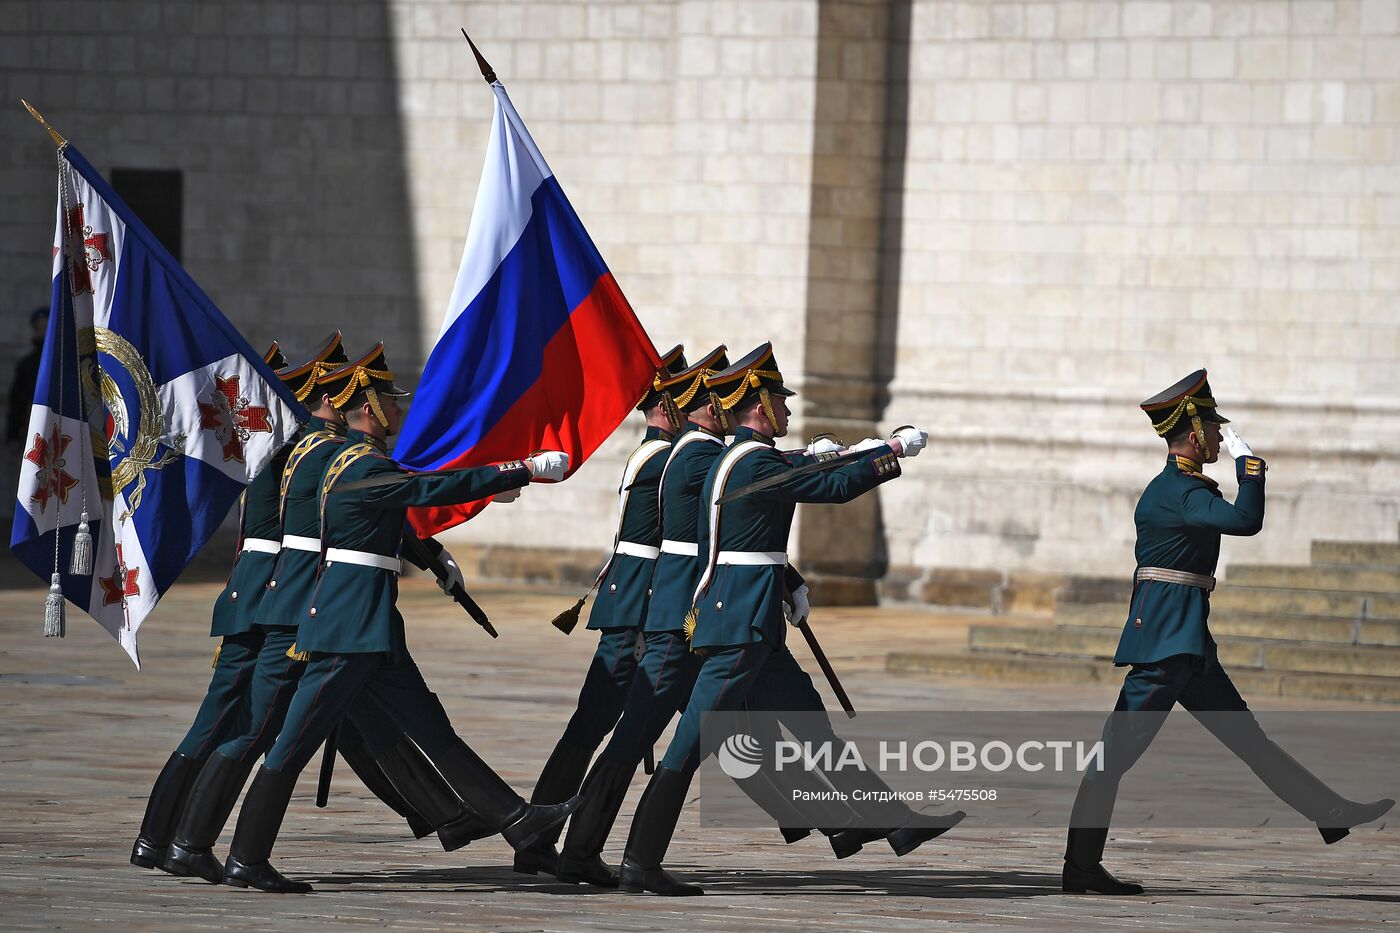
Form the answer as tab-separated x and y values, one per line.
58	140
485	66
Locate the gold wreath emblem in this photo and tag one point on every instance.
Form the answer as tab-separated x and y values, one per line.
150	425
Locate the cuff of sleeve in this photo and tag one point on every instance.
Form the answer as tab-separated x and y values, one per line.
514	474
884	462
1251	469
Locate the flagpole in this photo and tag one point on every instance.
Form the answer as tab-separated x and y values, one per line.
58	140
486	70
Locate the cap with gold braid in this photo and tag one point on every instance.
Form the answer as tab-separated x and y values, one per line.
1189	398
756	375
686	388
672	361
365	381
304	378
274	357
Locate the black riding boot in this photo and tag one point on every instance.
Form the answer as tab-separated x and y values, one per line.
258	823
426	792
500	807
603	793
210	803
351	746
652	827
559	780
1336	824
1083	873
163	809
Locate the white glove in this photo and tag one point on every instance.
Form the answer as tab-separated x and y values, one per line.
869	443
802	606
912	439
823	445
510	495
549	464
1235	444
454	573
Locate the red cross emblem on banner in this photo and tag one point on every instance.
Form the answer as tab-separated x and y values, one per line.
121	584
52	479
231	418
95	251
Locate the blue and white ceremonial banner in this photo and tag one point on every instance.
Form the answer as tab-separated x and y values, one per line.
151	412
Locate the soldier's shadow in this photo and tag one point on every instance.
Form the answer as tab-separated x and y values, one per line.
832	882
768	883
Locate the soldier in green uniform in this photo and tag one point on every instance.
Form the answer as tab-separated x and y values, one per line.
224	710
745	592
355	636
1166	640
618	613
662	683
284	508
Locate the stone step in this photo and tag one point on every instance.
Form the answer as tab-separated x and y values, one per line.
1224	623
1252	682
1357	553
1306	602
1265	654
1339	579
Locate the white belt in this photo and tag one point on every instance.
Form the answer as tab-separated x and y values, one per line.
262	545
688	548
1164	575
301	543
633	549
338	555
752	558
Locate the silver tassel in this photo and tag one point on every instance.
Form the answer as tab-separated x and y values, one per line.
82	549
54	623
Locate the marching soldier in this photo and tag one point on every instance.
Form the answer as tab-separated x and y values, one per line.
1167	643
223	711
354	634
662	683
618	613
284	508
744	593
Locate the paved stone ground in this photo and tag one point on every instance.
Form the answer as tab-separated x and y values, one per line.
83	735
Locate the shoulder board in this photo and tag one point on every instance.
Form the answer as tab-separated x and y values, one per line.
1202	477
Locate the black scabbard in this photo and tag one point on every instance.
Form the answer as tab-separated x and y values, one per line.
323	783
420	554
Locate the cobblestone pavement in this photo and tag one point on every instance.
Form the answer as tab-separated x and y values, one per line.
83	735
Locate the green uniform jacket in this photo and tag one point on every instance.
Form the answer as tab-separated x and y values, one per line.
289	591
626	582
743	603
352	609
673	584
236	608
1180	519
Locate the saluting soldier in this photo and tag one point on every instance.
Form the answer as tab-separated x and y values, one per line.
354	634
619	610
224	710
1166	640
739	605
662	683
289	518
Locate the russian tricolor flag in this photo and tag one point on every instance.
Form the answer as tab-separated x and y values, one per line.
539	349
